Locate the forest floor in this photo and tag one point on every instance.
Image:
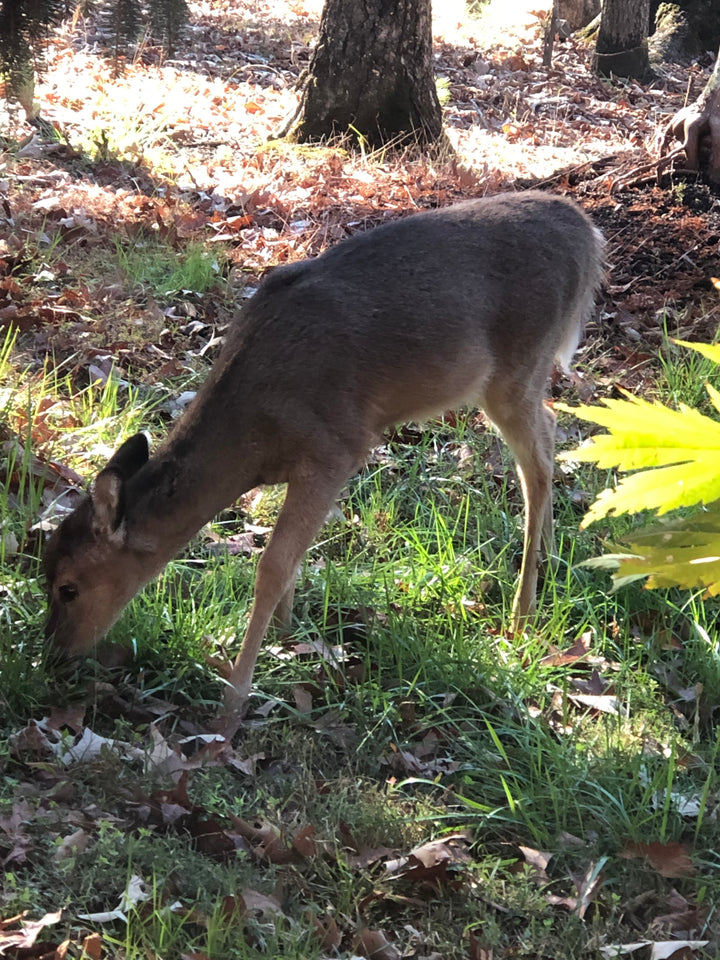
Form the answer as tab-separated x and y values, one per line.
185	146
126	245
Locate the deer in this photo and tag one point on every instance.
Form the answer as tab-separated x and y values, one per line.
469	304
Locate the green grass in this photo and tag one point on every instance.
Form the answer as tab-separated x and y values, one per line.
158	267
684	374
434	721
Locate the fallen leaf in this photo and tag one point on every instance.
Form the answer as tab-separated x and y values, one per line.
578	651
430	861
659	949
304	842
538	860
266	843
135	892
587	885
603	703
667	859
478	950
90	746
72	845
328	932
261	904
26	937
375	945
92	946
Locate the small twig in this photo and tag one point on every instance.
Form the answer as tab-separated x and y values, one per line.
569	171
628	179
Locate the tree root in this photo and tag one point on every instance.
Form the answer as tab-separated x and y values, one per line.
637	175
697	126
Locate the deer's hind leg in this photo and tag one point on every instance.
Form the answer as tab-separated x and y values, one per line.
528	426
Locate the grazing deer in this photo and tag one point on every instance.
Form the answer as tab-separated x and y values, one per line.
470	304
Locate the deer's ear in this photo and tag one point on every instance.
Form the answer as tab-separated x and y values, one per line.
130	457
108	492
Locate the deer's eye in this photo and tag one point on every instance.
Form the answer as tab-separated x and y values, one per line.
67	592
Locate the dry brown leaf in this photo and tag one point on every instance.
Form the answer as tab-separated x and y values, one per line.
430	861
71	845
478	950
587	885
71	716
304	842
538	860
266	843
92	946
374	945
303	698
596	685
578	651
261	904
667	859
683	915
328	932
29	931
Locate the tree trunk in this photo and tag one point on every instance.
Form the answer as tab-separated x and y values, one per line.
702	15
578	13
371	74
698	127
23	28
622	43
674	40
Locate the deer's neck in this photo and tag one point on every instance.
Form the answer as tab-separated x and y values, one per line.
206	463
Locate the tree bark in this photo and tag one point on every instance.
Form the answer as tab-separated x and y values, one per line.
622	43
674	40
371	75
702	15
578	13
698	127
